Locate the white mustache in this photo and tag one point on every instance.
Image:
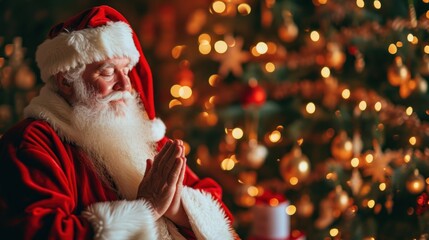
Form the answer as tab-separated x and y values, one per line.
125	95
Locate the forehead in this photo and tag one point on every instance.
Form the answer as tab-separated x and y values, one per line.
119	62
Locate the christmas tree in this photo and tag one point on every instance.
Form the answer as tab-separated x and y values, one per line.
322	104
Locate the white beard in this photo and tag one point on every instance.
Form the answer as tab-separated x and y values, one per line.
116	137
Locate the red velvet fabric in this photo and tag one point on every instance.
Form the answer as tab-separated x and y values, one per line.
45	184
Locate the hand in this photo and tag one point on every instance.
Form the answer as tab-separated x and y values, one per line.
175	210
159	183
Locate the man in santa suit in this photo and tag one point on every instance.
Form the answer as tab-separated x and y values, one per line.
91	160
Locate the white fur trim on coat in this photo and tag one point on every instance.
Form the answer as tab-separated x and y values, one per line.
68	50
158	129
122	220
206	216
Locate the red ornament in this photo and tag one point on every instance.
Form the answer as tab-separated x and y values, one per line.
422	203
254	95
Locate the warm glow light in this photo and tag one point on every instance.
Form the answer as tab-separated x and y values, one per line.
214	79
303	166
253	191
360	3
254	52
177	51
382	186
355	162
204	38
220	46
261	47
377	4
345	93
325	72
173	103
369	158
291	210
275	136
237	133
174	90
392	49
314	36
399	44
377	106
310	108
185	92
362	105
272	48
274	202
244	9
322	2
409	111
413	140
410	37
293	181
407	158
204	48
270	67
426	49
219	6
333	232
227	164
371	203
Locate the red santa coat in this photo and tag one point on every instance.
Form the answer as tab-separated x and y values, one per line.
48	190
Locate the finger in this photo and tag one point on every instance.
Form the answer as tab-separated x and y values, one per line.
163	155
166	163
182	173
149	163
174	174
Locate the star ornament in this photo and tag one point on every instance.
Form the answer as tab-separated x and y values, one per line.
379	168
233	58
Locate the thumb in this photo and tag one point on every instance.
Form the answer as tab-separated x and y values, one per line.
149	163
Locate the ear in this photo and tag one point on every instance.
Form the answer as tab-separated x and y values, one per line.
64	86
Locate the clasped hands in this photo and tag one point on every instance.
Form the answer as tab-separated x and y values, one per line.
162	183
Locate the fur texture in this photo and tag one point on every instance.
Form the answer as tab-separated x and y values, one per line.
122	220
68	50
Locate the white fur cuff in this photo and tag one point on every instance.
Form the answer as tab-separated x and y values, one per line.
207	218
158	129
122	220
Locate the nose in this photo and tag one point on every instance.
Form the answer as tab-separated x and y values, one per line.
122	82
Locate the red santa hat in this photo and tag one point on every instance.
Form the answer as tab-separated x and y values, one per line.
95	35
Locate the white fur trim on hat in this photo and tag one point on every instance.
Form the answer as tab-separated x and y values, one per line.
68	50
122	220
158	129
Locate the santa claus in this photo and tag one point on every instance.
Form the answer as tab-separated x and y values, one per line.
91	160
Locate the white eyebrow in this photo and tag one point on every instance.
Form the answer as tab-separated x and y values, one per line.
106	65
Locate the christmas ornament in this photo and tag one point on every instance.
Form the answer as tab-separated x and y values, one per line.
355	182
231	60
406	88
327	211
342	147
422	84
379	168
252	154
357	144
335	56
304	206
415	183
422	203
288	31
295	165
398	73
254	95
342	199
